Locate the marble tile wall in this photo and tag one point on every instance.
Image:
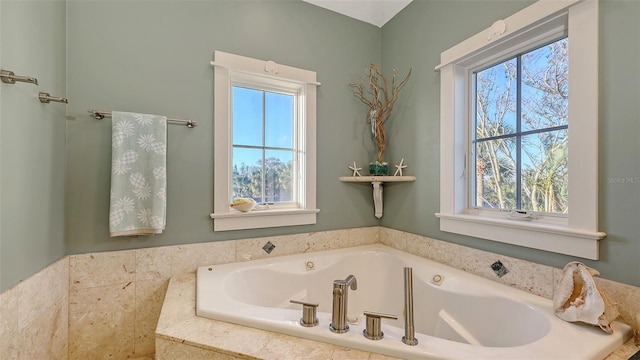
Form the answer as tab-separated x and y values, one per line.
34	316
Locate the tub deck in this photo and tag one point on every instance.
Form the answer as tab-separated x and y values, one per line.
180	334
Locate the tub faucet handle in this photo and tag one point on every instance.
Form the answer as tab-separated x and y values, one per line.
309	311
374	324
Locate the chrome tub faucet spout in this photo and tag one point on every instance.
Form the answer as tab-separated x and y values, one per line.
340	300
409	331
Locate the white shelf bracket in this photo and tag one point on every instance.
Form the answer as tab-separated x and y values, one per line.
377	198
376	181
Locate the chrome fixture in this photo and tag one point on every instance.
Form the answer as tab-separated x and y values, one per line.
308	318
10	78
45	98
409	331
103	114
374	324
499	268
340	301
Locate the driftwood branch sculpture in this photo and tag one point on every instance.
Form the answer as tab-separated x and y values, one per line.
377	95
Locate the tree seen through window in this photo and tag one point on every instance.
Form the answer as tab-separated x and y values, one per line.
263	145
520	142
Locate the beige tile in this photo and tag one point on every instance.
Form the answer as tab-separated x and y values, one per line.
393	238
186	258
9	324
341	353
251	249
154	263
147	357
322	240
148	298
557	276
179	301
419	245
381	357
47	337
222	336
477	262
172	350
627	299
287	244
533	278
287	347
101	322
445	252
101	269
40	291
624	352
364	236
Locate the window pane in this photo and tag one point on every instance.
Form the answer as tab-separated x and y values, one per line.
496	100
523	101
496	174
247	174
279	120
278	182
545	86
544	172
247	116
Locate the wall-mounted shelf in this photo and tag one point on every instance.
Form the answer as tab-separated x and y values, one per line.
377	182
377	178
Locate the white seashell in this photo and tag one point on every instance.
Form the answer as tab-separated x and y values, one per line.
578	299
243	204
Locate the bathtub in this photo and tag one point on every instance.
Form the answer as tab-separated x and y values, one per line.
457	315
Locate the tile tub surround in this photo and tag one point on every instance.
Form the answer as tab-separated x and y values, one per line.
115	297
33	316
182	335
123	290
527	276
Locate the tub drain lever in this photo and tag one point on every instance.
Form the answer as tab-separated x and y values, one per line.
309	310
374	324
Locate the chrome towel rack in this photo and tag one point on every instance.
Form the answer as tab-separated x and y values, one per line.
45	98
10	78
102	114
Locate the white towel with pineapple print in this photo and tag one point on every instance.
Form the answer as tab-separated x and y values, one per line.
138	174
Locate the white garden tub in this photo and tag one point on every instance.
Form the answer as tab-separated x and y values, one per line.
463	317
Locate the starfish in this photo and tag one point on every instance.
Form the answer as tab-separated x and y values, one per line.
356	169
399	168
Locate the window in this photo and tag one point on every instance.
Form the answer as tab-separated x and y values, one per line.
519	159
519	143
264	152
264	143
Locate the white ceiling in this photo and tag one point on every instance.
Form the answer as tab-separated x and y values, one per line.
376	12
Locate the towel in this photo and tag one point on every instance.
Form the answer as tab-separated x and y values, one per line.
138	174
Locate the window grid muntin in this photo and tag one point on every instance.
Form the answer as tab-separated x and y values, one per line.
472	198
261	85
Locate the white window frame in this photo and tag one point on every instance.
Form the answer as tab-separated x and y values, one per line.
229	69
576	234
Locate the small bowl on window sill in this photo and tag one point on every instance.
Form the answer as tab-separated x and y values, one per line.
243	204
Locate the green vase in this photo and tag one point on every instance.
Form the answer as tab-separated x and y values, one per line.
378	169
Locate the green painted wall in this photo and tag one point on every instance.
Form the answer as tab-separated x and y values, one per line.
153	56
32	139
416	37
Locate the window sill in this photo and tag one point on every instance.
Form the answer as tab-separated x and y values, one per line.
544	236
234	220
